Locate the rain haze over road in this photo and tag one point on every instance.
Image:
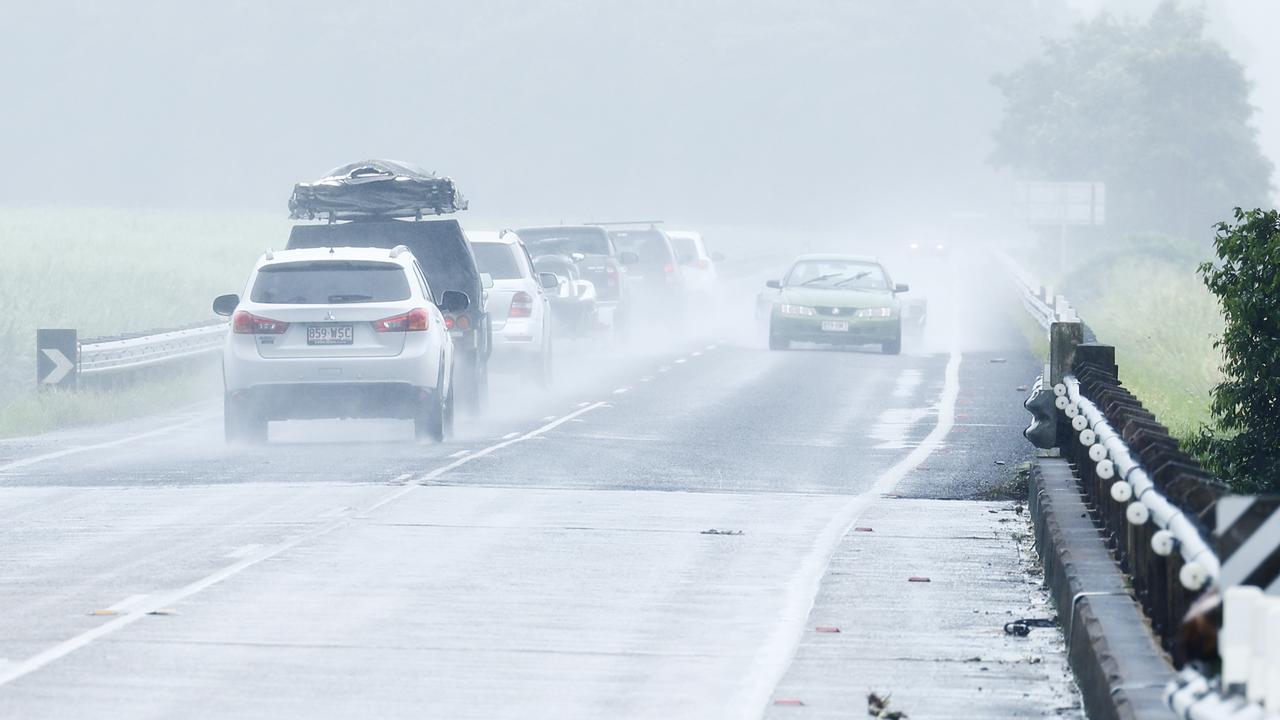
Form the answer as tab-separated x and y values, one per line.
696	518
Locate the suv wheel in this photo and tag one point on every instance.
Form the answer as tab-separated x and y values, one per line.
432	418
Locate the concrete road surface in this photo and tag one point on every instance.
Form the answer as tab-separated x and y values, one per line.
678	530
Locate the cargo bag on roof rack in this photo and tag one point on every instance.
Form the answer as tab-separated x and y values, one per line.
375	188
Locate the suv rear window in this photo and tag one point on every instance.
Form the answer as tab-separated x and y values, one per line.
650	245
497	260
565	241
330	282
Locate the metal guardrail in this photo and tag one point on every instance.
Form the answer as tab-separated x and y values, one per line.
115	355
64	361
1154	503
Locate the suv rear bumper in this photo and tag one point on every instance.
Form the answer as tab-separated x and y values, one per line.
299	401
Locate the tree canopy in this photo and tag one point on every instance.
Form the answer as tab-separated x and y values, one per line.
1157	110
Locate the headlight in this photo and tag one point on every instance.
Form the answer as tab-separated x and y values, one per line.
874	313
795	310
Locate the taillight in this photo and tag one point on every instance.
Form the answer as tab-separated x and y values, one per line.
612	273
702	263
521	305
412	321
462	322
246	323
669	268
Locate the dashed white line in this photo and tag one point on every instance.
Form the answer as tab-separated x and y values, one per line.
510	435
621	391
14	670
583	404
664	368
458	454
646	378
696	353
680	361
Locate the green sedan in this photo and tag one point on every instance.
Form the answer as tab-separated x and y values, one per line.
837	300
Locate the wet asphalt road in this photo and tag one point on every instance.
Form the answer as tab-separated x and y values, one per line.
647	540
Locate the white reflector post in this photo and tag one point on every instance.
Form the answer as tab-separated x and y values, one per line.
1234	640
1273	654
1257	688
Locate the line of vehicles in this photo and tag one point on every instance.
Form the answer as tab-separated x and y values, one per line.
384	309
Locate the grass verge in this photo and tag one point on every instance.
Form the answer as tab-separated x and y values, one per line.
107	271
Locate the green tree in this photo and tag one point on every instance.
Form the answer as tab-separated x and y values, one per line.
1245	450
1156	110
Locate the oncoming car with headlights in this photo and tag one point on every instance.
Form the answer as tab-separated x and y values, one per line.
836	299
338	333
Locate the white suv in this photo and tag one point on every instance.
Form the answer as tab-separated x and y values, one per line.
338	333
517	304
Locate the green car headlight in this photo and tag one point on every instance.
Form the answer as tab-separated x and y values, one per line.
799	310
880	312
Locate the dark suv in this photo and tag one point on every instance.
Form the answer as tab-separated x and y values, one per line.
656	275
597	259
445	256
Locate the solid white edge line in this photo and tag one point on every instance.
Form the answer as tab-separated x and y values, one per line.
775	655
98	446
22	668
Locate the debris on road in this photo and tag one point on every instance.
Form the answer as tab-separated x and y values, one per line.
878	707
918	578
714	531
827	629
1022	628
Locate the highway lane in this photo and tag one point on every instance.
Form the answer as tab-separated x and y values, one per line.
647	541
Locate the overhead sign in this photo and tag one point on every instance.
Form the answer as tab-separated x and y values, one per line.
1061	203
56	358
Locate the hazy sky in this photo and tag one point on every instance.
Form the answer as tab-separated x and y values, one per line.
720	111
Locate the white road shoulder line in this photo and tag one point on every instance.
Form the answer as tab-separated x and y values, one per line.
775	655
14	670
26	462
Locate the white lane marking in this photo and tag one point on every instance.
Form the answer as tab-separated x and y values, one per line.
696	353
646	378
15	670
401	478
548	418
620	391
583	404
664	368
98	446
458	454
711	347
244	551
335	512
680	361
775	655
510	435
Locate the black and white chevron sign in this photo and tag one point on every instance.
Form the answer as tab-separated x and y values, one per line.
1247	533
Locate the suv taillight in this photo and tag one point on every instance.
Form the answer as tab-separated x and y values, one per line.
612	273
521	305
414	320
246	323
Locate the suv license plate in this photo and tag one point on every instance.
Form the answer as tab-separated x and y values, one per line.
835	326
329	334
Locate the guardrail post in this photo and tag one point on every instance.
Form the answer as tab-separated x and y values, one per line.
1064	337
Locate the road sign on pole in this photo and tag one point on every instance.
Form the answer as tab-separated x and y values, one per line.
57	358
